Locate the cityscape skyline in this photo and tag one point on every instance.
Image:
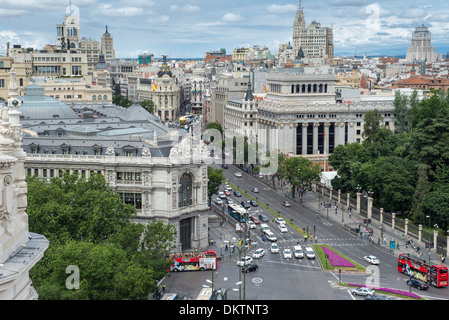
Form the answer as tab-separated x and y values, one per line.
179	29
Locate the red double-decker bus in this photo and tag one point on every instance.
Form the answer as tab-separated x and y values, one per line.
198	261
435	275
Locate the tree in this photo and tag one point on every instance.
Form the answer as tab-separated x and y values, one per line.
373	131
298	171
121	101
436	205
148	105
422	189
402	114
215	179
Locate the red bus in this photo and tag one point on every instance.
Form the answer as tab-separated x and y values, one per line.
435	275
194	261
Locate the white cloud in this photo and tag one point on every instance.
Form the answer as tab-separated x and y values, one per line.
11	12
191	8
285	9
232	17
174	7
159	19
108	10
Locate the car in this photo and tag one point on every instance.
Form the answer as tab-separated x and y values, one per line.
376	297
259	253
264	227
250	267
238	174
244	261
255	219
286	204
222	195
263	218
255	190
224	166
362	291
297	251
282	228
245	204
250	224
228	193
274	248
310	254
287	253
371	259
270	236
229	200
418	284
237	193
227	187
279	220
218	201
253	203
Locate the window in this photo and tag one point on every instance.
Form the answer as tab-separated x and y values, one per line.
185	190
2	83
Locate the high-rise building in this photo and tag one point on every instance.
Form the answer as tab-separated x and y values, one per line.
421	48
107	46
68	33
314	40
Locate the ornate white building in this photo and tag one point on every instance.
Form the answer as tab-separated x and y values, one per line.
20	250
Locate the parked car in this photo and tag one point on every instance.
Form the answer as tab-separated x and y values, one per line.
238	174
222	195
259	253
287	253
253	203
310	254
237	193
376	297
362	291
255	219
255	190
263	218
270	236
250	267
245	204
371	259
218	201
283	228
286	204
250	224
274	248
279	220
418	284
297	251
244	260
228	187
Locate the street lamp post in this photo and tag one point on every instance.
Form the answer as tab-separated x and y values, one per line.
428	217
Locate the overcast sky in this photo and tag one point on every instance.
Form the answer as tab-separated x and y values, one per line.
190	28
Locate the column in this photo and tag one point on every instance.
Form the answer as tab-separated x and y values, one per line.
358	202
447	246
381	215
315	137
326	140
393	216
370	207
406	227
435	239
304	138
348	197
339	196
330	192
420	233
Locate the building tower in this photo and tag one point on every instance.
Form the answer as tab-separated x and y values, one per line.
421	48
298	28
20	250
68	33
107	46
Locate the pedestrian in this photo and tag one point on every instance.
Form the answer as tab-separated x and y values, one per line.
226	247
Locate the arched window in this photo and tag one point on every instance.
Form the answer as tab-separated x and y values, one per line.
99	97
185	190
94	97
309	88
105	97
297	88
303	88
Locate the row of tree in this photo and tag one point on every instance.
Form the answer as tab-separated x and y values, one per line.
92	230
408	169
120	100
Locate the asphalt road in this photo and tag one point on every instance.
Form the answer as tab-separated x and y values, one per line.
279	278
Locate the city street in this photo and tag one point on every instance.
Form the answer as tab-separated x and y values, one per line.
278	278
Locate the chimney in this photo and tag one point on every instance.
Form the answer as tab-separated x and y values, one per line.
7	49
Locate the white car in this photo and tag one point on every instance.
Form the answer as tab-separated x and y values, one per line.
274	248
222	195
279	220
371	259
283	228
298	252
251	224
228	187
286	204
287	253
259	253
310	254
270	236
363	291
238	174
244	261
218	201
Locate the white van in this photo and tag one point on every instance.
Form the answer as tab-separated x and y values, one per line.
310	254
297	251
270	236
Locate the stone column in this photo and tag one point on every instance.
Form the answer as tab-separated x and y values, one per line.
370	207
393	216
358	202
348	197
315	137
304	138
326	138
381	216
339	197
330	192
447	246
435	239
419	233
